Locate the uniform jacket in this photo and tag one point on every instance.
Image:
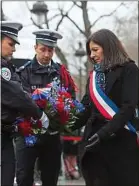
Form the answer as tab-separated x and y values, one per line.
36	76
122	87
14	101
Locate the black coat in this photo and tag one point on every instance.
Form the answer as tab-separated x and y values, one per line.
14	101
122	87
36	76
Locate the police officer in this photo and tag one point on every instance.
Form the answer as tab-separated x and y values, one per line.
37	74
14	101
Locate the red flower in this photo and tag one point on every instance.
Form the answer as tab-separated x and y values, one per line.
72	105
59	105
60	99
41	103
65	95
64	116
39	124
25	128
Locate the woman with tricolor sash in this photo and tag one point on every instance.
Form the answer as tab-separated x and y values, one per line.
109	150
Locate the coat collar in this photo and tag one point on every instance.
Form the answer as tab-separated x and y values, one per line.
37	68
7	64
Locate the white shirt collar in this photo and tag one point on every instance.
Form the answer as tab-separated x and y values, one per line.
48	65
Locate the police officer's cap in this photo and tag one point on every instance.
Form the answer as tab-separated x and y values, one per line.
47	37
11	29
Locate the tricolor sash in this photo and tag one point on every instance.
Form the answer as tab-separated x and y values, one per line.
103	103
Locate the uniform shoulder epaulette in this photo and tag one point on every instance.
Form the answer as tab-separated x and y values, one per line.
60	65
57	65
23	66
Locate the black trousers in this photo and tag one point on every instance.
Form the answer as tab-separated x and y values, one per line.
7	160
49	156
114	163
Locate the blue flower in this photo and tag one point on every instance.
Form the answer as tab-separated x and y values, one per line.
30	140
79	106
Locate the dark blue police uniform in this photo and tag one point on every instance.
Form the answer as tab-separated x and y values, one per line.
14	101
48	151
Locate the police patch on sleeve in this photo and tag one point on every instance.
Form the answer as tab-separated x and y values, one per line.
6	73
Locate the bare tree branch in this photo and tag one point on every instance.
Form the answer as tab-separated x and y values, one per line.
63	16
77	4
59	53
60	21
2	14
86	20
39	26
70	8
61	56
53	17
129	4
26	2
66	15
105	15
75	24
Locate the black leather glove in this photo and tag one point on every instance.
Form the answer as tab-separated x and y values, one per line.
53	121
52	130
93	141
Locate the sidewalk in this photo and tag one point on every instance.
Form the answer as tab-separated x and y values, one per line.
63	182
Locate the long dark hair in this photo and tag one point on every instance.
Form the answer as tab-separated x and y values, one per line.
114	52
